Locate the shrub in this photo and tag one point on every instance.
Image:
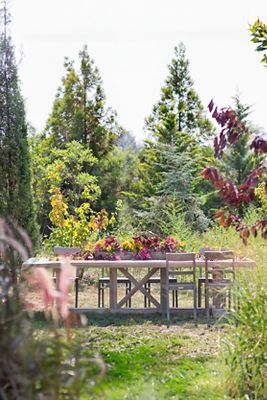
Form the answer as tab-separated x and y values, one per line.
246	355
53	365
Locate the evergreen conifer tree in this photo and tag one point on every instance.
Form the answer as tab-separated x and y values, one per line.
178	132
179	102
79	112
240	160
15	173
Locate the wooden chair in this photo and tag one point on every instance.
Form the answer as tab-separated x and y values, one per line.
185	275
104	282
201	278
63	251
156	280
219	277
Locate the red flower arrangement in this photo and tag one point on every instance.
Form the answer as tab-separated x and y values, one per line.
108	248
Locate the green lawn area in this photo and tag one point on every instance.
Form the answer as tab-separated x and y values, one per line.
146	360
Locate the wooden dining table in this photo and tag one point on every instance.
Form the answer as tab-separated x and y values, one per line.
150	267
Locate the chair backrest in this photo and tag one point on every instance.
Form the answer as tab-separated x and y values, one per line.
180	257
63	251
219	255
226	263
181	264
66	251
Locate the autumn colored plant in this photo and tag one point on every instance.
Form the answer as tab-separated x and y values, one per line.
146	244
128	245
233	196
109	245
170	245
75	228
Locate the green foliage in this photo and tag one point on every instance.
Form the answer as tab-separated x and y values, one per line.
126	222
77	228
246	351
259	36
33	366
174	154
47	365
68	170
179	103
148	361
79	112
15	174
261	196
239	160
118	170
172	176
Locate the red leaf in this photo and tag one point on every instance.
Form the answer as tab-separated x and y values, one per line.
211	105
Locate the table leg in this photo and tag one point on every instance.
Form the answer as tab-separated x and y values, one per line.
113	289
163	290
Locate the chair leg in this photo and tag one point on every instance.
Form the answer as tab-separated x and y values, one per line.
130	299
195	304
199	293
175	298
168	313
145	298
76	283
102	294
98	291
147	302
149	289
127	290
207	305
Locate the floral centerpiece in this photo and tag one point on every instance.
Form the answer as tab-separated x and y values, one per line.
149	247
127	249
107	249
145	245
142	247
171	245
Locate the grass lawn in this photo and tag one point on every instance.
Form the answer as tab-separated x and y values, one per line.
146	360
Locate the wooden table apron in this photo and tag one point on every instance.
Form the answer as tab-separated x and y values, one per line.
123	265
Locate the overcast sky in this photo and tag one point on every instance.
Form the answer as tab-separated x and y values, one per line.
132	42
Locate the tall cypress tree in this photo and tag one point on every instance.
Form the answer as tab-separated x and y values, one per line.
15	173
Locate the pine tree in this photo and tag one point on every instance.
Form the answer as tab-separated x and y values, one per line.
179	102
15	173
177	131
79	112
240	160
